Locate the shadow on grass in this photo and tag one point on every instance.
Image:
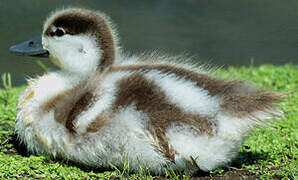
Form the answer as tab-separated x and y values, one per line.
234	171
248	157
18	145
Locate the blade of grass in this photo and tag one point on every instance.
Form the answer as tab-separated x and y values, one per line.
42	66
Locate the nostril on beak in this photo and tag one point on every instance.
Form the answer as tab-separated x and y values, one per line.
31	47
31	43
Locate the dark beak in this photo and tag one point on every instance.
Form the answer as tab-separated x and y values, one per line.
31	47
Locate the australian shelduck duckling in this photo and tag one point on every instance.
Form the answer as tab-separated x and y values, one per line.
104	108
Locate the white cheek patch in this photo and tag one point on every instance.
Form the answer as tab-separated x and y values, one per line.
75	53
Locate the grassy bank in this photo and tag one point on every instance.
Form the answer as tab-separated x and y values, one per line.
270	152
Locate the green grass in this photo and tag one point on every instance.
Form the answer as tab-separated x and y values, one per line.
270	152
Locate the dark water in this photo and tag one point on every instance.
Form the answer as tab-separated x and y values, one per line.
216	31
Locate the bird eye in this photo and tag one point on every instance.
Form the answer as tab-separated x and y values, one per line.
59	32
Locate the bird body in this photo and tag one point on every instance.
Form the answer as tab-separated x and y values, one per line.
104	108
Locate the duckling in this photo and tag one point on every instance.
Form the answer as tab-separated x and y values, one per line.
103	107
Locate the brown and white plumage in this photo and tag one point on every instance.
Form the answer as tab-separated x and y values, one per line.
102	107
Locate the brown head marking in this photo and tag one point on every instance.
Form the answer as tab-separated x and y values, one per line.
79	21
